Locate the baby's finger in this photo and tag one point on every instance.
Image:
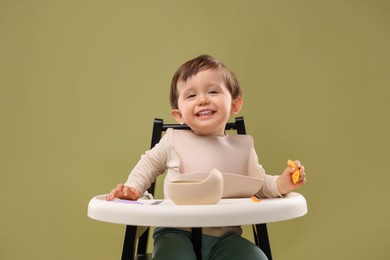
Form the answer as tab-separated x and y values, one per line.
120	186
136	194
133	194
298	163
111	196
302	177
126	191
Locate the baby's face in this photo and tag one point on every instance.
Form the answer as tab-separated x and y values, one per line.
205	104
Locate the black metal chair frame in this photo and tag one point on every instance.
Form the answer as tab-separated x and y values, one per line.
259	230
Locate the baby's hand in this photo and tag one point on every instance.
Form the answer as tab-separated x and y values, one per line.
285	181
123	192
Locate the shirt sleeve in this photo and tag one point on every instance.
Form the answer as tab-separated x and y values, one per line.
150	166
269	188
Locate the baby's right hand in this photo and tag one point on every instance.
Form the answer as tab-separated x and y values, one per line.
123	192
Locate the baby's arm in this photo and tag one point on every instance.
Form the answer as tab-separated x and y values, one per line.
285	182
152	163
123	192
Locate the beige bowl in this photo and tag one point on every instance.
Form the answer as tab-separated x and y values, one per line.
235	185
197	191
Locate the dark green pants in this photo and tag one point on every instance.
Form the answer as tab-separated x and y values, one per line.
176	244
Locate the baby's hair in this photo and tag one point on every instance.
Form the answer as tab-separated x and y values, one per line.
198	64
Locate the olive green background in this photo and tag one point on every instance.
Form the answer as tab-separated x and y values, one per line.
81	82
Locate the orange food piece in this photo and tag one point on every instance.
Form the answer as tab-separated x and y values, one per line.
295	175
255	199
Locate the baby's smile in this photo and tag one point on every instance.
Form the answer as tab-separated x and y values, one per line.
205	113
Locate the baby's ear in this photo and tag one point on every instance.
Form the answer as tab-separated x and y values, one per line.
177	116
236	105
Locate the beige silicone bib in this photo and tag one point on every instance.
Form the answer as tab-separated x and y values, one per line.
230	154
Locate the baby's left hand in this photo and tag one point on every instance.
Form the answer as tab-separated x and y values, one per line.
285	183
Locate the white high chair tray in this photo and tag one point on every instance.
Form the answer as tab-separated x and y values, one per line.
227	212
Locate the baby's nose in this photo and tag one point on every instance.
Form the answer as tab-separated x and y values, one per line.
203	99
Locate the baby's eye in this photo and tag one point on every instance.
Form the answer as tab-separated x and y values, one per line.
189	96
213	92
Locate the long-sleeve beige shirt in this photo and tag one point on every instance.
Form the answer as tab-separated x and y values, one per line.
181	152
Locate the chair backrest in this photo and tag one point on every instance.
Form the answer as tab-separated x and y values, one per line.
158	129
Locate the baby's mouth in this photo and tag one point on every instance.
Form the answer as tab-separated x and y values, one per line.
205	113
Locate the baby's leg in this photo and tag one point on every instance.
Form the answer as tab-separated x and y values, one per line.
172	244
230	246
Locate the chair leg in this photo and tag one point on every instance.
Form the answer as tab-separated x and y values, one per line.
129	243
197	242
262	239
143	242
255	235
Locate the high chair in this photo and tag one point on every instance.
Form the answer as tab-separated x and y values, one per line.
130	241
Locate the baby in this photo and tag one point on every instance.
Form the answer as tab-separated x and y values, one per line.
204	94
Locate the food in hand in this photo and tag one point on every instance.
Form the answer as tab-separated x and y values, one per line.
295	175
